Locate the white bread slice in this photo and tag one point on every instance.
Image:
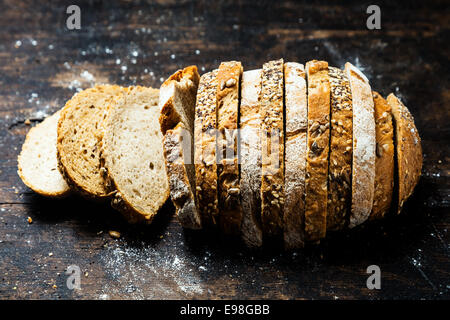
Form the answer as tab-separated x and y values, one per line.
272	147
38	163
80	130
205	126
409	150
363	163
227	99
132	153
250	153
316	193
295	154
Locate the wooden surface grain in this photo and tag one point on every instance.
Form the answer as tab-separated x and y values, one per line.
42	64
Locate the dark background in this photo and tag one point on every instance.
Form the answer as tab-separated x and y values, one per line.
42	64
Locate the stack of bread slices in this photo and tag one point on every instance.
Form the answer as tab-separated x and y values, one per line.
288	151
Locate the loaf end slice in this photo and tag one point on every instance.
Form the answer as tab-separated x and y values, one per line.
132	153
38	163
409	150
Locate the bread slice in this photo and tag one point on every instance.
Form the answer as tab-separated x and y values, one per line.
177	99
317	149
364	141
409	150
384	161
181	174
38	163
132	154
250	124
228	88
295	154
340	162
272	146
205	126
177	103
80	130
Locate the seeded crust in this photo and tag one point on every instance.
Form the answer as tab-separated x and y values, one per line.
181	175
295	154
132	154
177	99
340	162
205	127
272	143
37	162
364	140
409	150
80	130
317	149
384	161
250	125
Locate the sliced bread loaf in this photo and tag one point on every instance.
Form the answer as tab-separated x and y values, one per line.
272	146
340	163
250	125
364	141
384	161
409	150
38	163
205	126
132	154
177	103
295	154
228	88
317	149
80	130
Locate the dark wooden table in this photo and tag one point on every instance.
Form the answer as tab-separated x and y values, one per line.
42	64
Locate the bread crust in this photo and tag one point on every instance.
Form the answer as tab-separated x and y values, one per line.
250	127
317	149
205	127
295	154
272	146
341	146
364	141
408	148
384	161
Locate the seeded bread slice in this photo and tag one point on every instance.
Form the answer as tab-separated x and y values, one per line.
272	146
205	126
132	153
80	130
364	141
228	88
384	161
37	162
409	150
177	103
177	99
250	124
340	162
317	149
295	154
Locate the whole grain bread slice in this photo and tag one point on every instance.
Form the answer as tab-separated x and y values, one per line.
177	104
80	130
317	149
272	147
340	162
364	141
228	88
132	153
408	148
384	161
205	126
295	154
250	155
37	162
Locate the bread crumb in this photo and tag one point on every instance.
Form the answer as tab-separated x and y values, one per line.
114	234
27	122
